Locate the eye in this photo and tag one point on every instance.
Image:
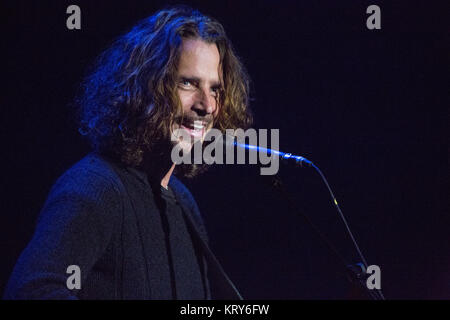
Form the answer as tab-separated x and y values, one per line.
185	82
215	90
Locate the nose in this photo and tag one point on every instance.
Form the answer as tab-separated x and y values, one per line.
205	103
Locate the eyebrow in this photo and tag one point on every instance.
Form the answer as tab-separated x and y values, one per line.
214	84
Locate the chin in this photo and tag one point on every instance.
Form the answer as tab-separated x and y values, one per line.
185	146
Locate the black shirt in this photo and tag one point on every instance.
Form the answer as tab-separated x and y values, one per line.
186	274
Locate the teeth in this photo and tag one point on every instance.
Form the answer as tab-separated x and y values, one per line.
198	125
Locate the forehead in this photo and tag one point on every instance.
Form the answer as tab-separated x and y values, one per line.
200	59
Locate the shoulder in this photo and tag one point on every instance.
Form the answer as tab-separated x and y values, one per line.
91	180
92	171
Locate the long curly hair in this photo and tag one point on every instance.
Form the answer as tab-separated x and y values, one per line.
128	102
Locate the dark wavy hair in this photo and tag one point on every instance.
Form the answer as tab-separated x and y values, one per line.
128	101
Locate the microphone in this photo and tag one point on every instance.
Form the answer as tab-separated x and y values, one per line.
230	140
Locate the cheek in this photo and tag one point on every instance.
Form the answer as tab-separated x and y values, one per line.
186	100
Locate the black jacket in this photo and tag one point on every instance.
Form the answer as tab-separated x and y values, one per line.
103	217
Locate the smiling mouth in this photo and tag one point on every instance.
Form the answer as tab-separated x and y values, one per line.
195	128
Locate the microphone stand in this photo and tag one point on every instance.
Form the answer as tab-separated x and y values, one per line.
356	273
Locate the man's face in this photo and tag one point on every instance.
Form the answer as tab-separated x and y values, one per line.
198	87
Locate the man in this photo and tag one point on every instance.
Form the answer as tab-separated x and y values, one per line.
119	219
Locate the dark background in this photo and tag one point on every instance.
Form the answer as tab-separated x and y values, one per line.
369	107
